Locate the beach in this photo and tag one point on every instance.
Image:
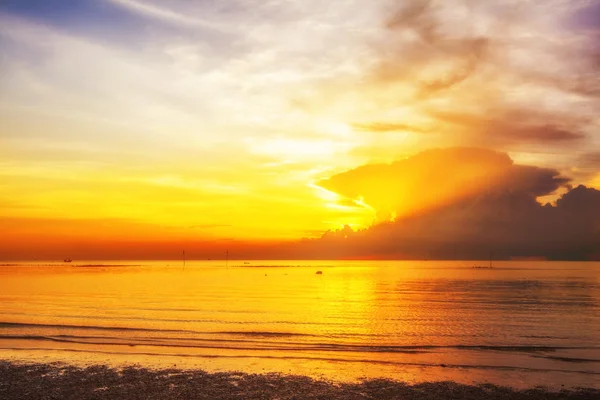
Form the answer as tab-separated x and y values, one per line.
59	381
278	330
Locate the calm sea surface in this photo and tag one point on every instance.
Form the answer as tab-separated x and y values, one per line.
520	324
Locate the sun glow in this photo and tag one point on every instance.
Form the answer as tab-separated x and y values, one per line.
223	126
595	182
339	129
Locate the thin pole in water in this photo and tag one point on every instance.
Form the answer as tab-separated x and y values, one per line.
184	259
227	259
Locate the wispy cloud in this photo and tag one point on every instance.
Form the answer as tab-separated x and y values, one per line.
388	127
165	14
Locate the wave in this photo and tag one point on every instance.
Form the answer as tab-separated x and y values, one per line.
114	328
237	344
60	264
264	334
87	327
570	359
318	358
278	266
104	265
177	320
180	320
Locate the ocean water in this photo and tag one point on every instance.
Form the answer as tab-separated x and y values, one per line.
521	324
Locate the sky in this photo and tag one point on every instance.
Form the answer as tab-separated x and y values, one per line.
136	128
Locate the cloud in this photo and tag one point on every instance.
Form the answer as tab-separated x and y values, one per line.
463	54
438	177
423	41
464	203
516	126
490	74
588	168
591	160
176	88
166	14
388	127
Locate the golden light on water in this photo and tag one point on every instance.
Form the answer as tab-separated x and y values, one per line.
356	319
159	160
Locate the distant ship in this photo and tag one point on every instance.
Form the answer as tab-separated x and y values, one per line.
483	266
67	259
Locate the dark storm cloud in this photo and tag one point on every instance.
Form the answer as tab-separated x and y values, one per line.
464	205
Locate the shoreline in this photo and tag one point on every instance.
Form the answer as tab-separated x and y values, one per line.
23	380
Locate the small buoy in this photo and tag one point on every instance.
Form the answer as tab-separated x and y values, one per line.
319	272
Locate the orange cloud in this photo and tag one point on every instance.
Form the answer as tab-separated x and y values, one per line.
435	178
464	203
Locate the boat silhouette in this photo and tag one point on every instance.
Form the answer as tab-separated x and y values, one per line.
484	266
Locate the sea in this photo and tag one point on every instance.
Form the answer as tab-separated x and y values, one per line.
519	323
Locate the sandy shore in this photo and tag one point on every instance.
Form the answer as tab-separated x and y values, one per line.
58	381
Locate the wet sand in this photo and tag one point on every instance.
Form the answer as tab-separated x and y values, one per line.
60	381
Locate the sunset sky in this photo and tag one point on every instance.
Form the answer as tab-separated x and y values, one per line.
133	123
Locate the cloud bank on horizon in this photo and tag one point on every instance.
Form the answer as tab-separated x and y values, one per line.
143	120
469	202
